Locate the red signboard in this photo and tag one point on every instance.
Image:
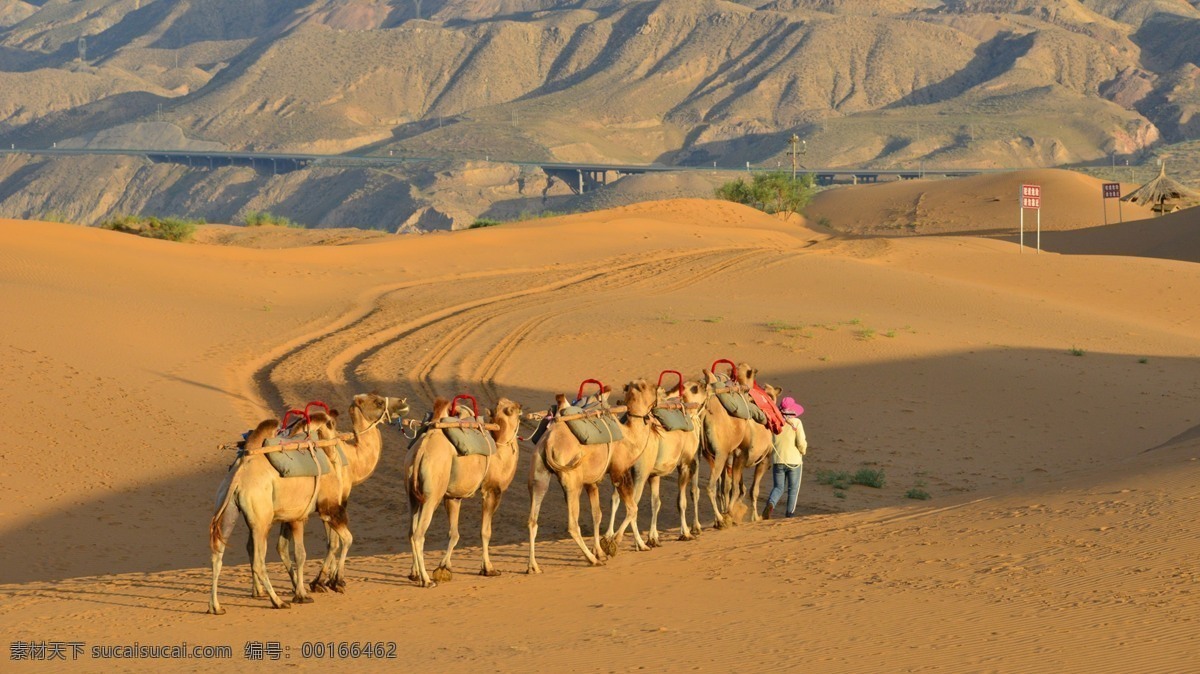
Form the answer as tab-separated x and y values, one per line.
1031	196
1112	190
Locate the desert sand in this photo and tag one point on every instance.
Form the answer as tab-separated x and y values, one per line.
1048	403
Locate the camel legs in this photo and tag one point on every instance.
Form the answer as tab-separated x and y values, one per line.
630	491
340	540
491	501
695	496
321	582
655	504
414	507
256	589
759	471
735	487
444	571
299	591
612	515
539	482
258	564
685	479
597	556
421	519
218	554
716	467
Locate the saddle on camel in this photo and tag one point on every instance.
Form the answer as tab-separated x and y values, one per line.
745	402
590	419
468	432
293	450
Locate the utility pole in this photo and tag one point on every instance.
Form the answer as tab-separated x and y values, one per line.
796	144
82	46
795	141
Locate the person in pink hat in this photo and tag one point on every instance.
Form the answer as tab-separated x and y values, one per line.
790	448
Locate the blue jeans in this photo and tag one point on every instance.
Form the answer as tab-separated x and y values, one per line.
791	476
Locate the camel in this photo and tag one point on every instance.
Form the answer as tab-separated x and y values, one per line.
737	442
580	467
367	412
675	451
256	490
436	473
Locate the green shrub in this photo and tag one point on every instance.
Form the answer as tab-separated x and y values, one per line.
168	229
483	222
1076	351
260	218
770	192
918	494
839	479
869	477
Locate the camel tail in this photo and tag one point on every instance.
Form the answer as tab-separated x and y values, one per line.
557	467
216	528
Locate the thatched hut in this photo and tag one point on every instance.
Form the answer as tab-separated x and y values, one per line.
1163	194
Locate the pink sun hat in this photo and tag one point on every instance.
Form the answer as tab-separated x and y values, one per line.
790	407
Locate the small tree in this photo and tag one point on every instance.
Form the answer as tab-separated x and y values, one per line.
772	192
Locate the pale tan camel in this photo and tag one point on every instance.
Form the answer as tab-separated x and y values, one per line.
368	411
674	451
738	442
256	490
437	473
580	467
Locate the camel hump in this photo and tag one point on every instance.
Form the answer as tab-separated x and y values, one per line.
441	408
259	435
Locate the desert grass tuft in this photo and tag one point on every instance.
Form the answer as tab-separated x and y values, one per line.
869	477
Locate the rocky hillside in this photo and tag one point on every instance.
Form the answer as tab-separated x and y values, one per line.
886	83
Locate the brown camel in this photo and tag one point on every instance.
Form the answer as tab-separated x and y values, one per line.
675	451
580	467
437	473
256	490
368	411
737	442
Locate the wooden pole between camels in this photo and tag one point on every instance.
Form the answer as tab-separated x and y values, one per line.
614	411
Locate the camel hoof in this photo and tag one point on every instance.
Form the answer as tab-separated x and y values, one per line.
653	542
284	604
338	586
257	594
491	573
431	584
608	545
216	611
442	575
533	570
302	600
414	576
685	537
317	586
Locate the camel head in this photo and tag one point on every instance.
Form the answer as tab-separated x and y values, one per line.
508	415
321	425
372	406
441	408
773	392
695	392
745	374
640	396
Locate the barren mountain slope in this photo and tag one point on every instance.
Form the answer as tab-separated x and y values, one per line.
880	83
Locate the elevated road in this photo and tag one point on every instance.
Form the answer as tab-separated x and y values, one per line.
580	177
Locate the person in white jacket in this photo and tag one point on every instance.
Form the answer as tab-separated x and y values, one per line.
790	448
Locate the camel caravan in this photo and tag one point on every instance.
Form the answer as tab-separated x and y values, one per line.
286	471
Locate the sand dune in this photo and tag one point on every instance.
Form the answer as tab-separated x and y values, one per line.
1175	237
1054	540
978	204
